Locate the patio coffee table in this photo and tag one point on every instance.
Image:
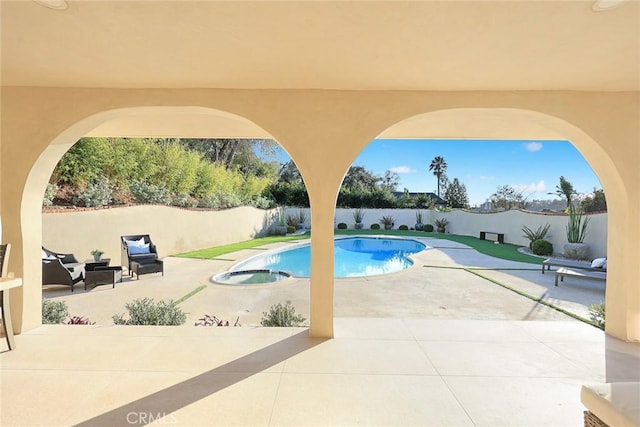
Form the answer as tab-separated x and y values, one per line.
157	266
102	275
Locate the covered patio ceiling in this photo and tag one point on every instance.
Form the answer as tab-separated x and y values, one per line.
355	45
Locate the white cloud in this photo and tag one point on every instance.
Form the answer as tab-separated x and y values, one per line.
487	178
533	146
402	169
531	188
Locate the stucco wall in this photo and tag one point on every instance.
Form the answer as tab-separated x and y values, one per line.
179	230
508	222
172	230
324	131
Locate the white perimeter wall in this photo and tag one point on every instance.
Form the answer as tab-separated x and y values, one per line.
172	230
508	222
178	230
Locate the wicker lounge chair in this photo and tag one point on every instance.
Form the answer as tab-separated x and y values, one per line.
138	248
61	269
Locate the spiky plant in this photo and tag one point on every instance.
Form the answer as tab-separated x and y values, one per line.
577	226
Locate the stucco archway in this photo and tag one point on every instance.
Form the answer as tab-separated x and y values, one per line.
622	295
325	130
124	122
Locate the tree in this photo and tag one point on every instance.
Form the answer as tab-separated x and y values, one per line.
595	203
358	178
438	166
289	173
565	189
507	197
390	181
239	154
456	194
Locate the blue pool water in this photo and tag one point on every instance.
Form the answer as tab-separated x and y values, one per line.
357	256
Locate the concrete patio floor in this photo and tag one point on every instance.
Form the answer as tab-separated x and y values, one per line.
434	345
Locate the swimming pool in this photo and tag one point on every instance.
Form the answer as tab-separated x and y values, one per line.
354	257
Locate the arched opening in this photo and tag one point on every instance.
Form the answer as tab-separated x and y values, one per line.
191	122
511	124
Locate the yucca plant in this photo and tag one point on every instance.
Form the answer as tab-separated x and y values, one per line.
538	234
577	226
387	221
358	215
441	224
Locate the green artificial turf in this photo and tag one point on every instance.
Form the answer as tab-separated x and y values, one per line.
216	251
503	251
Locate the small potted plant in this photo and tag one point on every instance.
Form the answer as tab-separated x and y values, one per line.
358	216
441	224
97	254
387	221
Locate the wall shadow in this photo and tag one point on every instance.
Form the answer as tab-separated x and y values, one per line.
177	396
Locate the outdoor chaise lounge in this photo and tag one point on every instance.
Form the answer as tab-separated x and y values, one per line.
61	269
562	272
572	264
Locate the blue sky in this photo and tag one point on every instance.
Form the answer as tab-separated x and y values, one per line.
532	167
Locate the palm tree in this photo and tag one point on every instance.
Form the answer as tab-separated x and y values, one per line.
565	189
438	166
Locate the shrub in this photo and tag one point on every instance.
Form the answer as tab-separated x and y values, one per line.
146	311
403	227
209	320
342	226
292	221
290	229
220	200
538	234
149	193
49	194
597	314
262	202
375	226
542	247
54	312
184	200
209	201
78	320
95	194
283	316
229	200
122	197
428	228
